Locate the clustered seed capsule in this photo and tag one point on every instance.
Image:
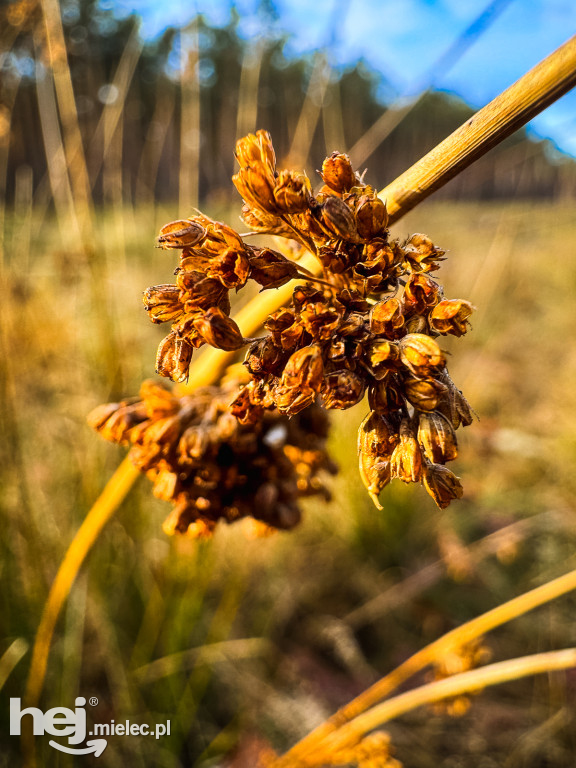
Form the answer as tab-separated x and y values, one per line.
213	468
369	326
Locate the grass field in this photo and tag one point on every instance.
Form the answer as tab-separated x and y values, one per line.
241	641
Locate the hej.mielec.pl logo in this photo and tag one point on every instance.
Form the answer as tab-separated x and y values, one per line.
71	723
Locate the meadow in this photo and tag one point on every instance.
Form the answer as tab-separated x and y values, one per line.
245	642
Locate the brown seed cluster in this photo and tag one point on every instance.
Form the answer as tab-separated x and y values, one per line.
369	326
213	468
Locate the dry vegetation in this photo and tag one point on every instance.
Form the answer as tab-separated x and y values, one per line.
272	635
248	644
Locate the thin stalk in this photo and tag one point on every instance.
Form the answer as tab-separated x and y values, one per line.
535	91
111	497
458	637
467	682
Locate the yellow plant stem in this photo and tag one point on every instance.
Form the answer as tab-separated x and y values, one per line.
349	735
454	639
104	508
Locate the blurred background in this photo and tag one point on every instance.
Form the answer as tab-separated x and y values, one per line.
116	118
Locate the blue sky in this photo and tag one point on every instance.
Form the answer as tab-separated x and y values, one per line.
403	38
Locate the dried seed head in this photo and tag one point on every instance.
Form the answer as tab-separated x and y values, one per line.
421	254
337	172
406	461
371	216
304	368
386	318
254	149
451	316
219	330
180	234
321	321
441	484
162	302
292	192
382	356
421	293
420	353
271	269
342	389
376	440
338	220
437	438
173	357
424	393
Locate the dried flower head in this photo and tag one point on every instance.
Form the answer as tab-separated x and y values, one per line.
212	467
370	324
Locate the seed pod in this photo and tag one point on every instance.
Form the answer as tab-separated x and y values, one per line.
256	148
382	356
376	440
271	269
420	253
98	417
256	185
158	399
320	320
231	267
173	357
292	192
424	393
162	302
338	219
455	406
264	358
342	389
337	351
437	438
292	400
180	234
386	318
421	293
420	353
306	294
304	369
441	484
451	316
406	461
242	407
337	172
219	330
199	292
353	326
371	216
385	395
186	327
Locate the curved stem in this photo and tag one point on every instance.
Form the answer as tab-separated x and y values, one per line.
468	682
455	638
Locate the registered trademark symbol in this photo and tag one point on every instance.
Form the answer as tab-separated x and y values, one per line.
93	701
